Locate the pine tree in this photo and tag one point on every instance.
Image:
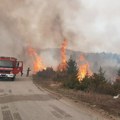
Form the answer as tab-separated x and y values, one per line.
117	82
99	80
101	75
72	71
118	72
71	66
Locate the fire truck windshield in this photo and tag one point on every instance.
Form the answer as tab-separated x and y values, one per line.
6	63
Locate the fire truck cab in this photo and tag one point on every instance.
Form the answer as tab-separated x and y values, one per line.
9	67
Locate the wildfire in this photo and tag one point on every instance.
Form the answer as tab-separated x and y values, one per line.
37	62
84	69
62	66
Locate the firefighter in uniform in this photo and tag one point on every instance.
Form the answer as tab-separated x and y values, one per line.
28	71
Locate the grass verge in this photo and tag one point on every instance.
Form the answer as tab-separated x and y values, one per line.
103	102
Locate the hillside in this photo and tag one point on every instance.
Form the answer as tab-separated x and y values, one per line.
110	62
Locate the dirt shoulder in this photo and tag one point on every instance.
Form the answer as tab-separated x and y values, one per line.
103	104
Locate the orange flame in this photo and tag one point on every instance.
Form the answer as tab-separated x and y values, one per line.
62	66
37	62
84	69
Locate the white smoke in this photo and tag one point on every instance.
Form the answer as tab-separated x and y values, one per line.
99	22
88	25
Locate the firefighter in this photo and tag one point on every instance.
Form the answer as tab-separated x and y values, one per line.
21	73
28	71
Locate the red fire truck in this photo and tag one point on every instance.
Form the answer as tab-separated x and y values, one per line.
9	67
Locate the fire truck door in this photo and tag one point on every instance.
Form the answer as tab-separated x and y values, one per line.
18	68
20	65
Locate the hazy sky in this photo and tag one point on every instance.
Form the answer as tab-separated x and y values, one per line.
88	25
100	24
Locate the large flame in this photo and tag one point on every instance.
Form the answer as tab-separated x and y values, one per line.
62	66
84	69
37	62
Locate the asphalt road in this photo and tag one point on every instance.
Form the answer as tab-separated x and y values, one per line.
22	100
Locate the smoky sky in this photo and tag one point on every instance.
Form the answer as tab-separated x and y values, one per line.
88	25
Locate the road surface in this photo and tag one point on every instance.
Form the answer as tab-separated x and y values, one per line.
22	100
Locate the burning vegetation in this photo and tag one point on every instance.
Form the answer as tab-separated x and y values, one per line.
84	68
37	61
93	89
62	66
73	76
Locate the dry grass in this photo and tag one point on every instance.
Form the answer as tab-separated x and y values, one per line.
105	102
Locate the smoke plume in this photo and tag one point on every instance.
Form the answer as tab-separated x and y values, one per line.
88	25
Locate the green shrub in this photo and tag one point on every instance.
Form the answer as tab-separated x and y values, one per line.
71	81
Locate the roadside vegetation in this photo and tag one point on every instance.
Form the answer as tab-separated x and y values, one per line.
95	89
96	83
